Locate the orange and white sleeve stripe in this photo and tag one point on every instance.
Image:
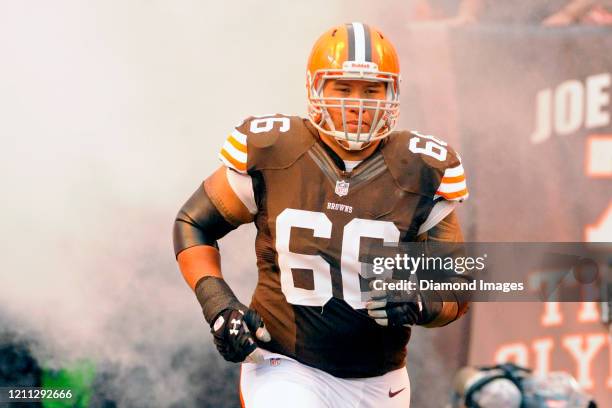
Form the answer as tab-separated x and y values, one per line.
453	185
234	152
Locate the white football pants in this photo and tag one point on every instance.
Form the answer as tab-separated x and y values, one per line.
283	382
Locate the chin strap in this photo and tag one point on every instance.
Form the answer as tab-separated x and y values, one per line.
352	146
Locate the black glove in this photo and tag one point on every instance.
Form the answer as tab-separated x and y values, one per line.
233	325
402	308
233	331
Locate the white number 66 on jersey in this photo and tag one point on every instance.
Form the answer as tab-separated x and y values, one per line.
350	266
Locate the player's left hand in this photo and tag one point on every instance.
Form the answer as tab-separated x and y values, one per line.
396	308
387	311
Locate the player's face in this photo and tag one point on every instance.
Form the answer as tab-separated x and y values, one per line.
338	88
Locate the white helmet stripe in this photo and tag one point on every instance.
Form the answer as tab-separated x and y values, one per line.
360	51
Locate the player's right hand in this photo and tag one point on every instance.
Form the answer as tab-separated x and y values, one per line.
233	330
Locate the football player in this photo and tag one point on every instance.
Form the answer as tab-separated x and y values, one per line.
321	190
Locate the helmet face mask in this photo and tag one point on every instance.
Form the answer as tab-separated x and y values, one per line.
353	52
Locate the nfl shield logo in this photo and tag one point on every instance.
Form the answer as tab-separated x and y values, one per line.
342	188
275	362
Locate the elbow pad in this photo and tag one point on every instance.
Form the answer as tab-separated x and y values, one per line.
199	223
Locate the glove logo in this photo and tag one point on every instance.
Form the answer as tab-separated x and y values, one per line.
235	324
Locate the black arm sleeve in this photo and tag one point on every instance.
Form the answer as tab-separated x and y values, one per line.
199	223
445	239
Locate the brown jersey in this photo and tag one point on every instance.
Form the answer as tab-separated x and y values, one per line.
316	224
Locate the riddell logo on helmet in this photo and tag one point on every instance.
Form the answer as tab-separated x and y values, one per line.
360	66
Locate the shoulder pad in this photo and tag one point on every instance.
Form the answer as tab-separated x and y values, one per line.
266	142
425	165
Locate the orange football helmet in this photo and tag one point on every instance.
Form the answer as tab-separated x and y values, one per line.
360	52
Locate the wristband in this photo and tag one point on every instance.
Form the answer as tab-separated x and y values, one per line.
214	296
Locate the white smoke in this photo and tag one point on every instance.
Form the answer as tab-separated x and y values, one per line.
111	114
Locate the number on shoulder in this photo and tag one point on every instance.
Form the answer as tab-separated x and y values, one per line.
428	145
234	153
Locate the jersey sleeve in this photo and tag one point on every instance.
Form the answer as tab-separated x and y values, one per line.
242	186
265	142
453	185
234	152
